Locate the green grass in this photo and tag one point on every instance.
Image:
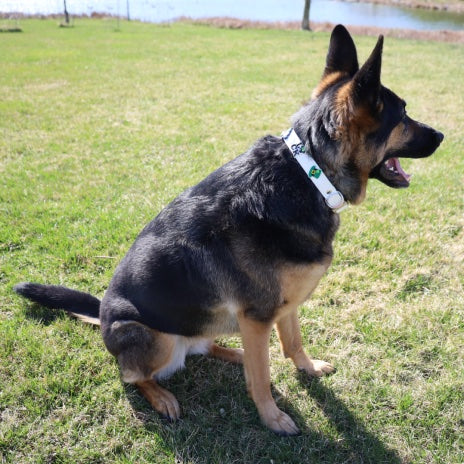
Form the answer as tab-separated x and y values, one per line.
99	129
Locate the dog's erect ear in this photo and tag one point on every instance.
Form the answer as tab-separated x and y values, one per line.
367	80
342	56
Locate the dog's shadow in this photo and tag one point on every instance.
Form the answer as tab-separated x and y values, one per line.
43	315
220	423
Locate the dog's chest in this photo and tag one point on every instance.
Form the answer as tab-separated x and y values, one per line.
297	282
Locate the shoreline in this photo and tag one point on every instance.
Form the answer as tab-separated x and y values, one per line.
224	22
234	23
453	7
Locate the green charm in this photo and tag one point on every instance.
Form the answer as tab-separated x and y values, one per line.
314	172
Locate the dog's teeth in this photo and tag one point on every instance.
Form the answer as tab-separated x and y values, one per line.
390	165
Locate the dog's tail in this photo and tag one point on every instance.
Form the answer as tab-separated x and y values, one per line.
78	304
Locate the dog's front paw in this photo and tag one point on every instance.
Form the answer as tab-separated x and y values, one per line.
318	368
279	422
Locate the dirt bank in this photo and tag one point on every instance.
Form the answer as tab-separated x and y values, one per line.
454	6
233	23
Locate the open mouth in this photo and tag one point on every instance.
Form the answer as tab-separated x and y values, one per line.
391	173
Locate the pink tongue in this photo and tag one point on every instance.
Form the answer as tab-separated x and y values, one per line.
397	165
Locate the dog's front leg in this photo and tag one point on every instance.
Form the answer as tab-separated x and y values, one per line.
288	328
255	338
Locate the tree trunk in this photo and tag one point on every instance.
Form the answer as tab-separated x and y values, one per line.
305	22
66	14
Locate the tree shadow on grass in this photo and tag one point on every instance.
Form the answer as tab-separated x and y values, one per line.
220	423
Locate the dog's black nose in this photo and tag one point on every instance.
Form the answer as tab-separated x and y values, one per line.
439	136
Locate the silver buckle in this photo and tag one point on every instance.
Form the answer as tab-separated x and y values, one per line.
335	201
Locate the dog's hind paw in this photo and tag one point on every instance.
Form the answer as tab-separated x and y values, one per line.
161	399
233	355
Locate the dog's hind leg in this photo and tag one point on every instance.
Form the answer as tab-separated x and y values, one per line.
142	353
288	328
255	336
233	355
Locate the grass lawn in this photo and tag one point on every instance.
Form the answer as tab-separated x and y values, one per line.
100	128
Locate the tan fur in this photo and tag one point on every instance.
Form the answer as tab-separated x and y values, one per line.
398	137
289	332
297	282
161	399
344	102
327	81
353	121
255	337
233	355
362	195
85	319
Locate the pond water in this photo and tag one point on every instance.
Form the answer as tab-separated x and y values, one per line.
334	11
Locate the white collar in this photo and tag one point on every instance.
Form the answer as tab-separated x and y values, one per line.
332	196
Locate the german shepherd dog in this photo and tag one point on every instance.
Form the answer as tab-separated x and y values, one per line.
240	251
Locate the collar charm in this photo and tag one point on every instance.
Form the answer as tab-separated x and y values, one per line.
333	198
314	172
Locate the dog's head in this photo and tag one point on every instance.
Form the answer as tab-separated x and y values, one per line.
358	129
